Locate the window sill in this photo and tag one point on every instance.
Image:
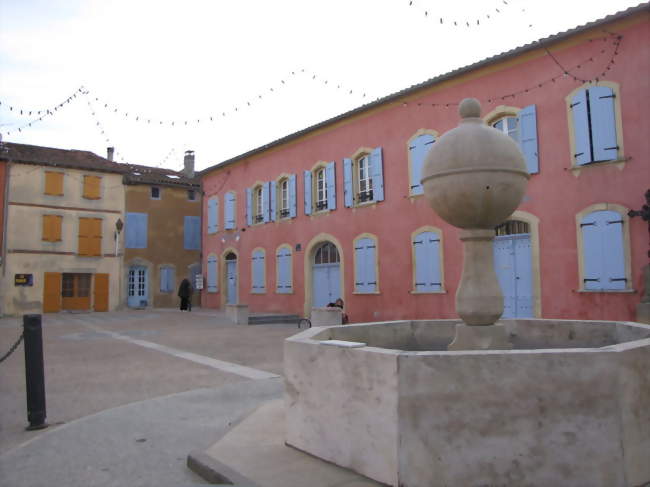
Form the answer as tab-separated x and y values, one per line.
283	292
366	294
618	163
606	291
365	204
320	213
91	198
258	292
443	291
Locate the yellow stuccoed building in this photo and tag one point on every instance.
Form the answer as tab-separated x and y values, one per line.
63	239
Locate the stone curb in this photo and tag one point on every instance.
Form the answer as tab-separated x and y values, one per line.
215	472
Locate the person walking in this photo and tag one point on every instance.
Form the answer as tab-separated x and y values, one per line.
185	293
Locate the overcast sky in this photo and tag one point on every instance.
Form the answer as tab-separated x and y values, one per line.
186	61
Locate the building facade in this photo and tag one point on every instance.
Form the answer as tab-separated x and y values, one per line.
62	248
337	209
162	234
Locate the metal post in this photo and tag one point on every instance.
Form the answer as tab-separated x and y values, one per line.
34	372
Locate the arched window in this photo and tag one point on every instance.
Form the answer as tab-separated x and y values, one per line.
363	177
520	124
326	254
320	188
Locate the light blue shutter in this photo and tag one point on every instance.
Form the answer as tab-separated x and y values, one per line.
592	251
307	192
603	123
192	233
274	200
613	249
419	150
347	183
249	206
213	213
284	271
427	262
292	196
581	128
377	175
258	271
229	213
330	181
266	191
136	231
163	279
212	274
365	273
143	231
528	137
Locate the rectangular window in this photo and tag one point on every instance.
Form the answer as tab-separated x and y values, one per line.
53	183
192	233
167	279
52	228
258	270
284	198
191	195
594	125
135	233
90	237
92	187
155	193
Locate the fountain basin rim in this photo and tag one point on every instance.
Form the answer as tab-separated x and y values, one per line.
476	170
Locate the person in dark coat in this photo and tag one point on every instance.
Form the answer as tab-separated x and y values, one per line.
185	293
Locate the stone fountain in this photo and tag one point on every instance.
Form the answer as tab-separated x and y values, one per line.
475	402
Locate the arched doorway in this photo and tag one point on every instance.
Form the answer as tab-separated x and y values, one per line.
326	275
513	266
231	278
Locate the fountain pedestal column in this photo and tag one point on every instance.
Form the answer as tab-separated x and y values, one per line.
479	301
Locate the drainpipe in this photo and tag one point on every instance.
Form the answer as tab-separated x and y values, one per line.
5	215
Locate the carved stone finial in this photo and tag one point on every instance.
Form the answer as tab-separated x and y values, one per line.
469	108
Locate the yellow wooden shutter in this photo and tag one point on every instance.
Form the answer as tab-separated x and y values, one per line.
55	228
101	292
92	187
84	236
53	183
96	237
47	228
51	292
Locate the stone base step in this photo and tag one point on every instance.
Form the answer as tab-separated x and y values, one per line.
272	319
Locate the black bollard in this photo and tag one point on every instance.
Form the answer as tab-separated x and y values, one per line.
34	372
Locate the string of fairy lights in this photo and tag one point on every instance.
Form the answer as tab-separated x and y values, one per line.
565	73
464	22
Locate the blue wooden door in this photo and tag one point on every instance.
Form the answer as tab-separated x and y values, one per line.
231	276
137	287
512	263
326	284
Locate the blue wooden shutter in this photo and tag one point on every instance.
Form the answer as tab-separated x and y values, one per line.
427	262
284	271
192	233
258	271
603	123
348	193
163	279
330	181
266	191
136	231
419	150
307	192
581	128
212	215
229	212
365	272
613	249
528	137
292	196
274	200
212	274
249	206
592	251
377	175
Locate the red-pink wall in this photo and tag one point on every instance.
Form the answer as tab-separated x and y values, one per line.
555	195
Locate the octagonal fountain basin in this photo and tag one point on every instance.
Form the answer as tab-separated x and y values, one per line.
569	405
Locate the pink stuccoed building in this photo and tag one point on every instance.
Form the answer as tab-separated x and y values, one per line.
337	211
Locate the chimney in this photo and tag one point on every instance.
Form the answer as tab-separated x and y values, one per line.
189	164
109	153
